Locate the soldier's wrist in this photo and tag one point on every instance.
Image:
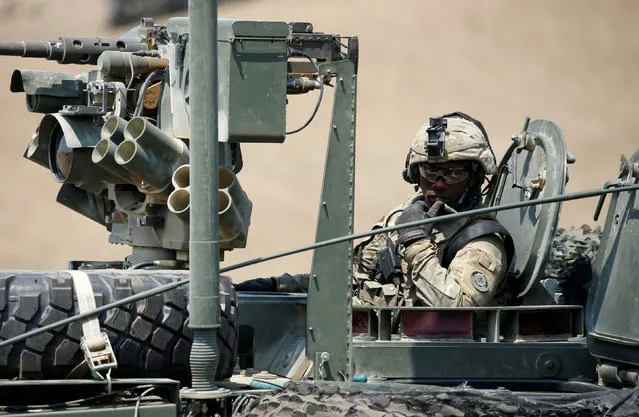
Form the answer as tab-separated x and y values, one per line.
408	253
409	237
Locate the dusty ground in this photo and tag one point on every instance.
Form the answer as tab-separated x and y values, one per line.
574	62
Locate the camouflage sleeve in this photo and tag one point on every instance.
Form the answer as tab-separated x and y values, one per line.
364	254
364	258
471	280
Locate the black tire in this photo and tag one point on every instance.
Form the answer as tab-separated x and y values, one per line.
151	337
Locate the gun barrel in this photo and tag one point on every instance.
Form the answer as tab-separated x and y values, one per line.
69	50
32	49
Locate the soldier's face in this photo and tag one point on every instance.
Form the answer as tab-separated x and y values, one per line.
450	193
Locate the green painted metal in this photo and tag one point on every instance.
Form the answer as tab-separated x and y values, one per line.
252	71
261	29
50	83
260	341
69	397
612	313
204	294
468	360
47	91
329	294
256	82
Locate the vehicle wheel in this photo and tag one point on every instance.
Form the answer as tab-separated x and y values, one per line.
150	337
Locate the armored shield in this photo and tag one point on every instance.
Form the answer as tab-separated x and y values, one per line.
534	167
612	311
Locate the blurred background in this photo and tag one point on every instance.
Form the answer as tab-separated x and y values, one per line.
574	62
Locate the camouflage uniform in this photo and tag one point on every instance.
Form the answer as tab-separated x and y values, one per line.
473	278
476	273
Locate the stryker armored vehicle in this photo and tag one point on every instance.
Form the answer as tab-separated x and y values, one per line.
146	144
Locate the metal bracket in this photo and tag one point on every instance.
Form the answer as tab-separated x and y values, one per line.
536	186
523	140
98	94
193	394
322	360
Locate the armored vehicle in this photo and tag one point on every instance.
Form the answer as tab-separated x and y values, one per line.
147	144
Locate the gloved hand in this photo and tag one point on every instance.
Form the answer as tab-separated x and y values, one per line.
419	210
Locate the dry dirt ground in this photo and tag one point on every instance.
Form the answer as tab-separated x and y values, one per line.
575	62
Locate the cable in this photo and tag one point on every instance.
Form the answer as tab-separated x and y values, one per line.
128	87
168	263
141	265
295	52
136	413
140	102
241	402
315	110
168	287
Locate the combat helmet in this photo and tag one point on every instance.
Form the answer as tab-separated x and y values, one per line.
451	137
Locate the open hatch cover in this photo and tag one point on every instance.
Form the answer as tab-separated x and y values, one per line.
535	166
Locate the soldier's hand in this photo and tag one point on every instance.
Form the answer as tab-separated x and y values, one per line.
412	213
419	210
436	209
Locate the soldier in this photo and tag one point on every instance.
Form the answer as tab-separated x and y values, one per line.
461	262
454	263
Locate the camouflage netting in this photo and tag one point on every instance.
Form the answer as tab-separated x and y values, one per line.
391	399
572	255
570	247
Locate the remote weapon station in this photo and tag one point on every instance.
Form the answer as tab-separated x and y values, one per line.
147	143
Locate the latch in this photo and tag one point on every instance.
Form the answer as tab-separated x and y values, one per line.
98	354
322	364
536	185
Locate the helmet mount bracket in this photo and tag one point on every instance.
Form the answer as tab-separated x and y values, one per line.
436	134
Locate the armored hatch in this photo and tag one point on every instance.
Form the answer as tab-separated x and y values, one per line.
612	310
535	166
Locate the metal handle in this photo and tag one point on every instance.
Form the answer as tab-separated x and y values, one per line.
602	198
